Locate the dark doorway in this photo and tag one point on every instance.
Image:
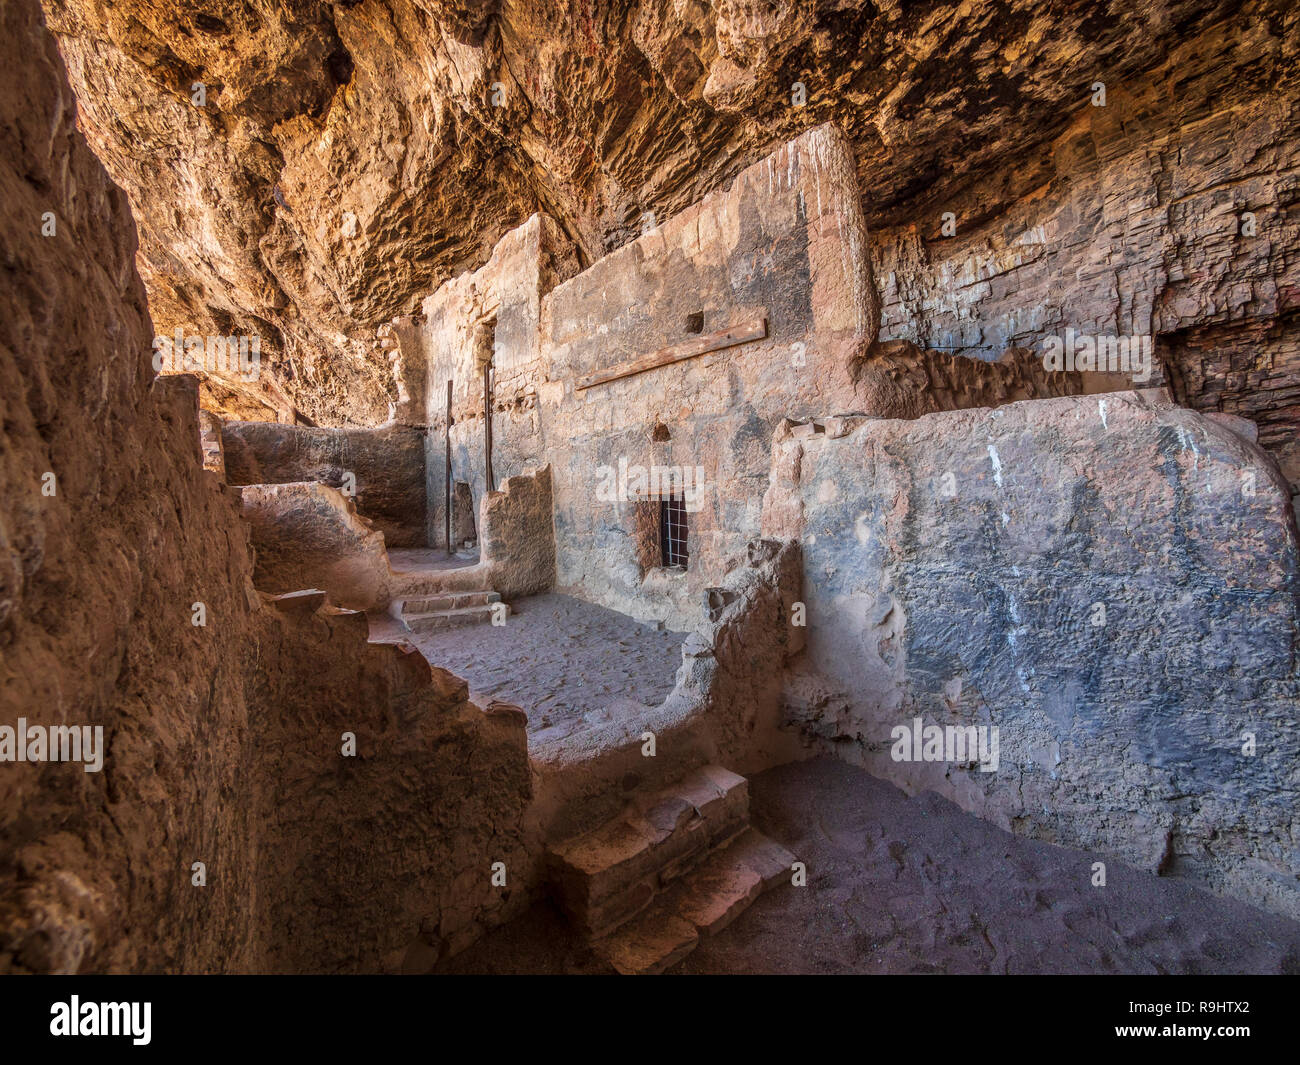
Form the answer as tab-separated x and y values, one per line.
462	515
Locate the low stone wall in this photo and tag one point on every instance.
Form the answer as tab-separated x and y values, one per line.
517	543
724	708
518	537
382	860
385	468
1111	582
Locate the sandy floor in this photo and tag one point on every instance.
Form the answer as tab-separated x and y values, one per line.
567	663
899	885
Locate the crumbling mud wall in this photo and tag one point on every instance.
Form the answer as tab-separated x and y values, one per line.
127	605
382	469
382	861
1111	582
517	542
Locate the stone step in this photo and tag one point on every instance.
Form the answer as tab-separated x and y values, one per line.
700	905
437	620
606	876
449	601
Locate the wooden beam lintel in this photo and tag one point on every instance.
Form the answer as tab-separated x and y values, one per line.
751	329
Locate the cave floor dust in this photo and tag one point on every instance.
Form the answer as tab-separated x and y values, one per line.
916	885
567	663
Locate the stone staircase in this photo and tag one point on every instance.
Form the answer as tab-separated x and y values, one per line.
446	610
673	867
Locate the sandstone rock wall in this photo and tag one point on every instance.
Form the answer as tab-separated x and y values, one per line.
1169	212
100	577
350	157
1112	581
222	739
386	468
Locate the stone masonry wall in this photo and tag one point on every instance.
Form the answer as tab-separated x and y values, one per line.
785	243
491	315
1113	582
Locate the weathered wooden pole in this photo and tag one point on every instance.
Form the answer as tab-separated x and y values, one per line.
447	484
487	427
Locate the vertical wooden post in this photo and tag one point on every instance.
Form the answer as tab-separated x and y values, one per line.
447	484
487	427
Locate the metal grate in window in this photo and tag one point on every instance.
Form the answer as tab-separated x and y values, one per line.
672	530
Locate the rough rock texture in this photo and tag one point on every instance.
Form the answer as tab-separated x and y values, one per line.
386	467
1111	581
403	872
223	739
309	535
351	156
85	638
1170	212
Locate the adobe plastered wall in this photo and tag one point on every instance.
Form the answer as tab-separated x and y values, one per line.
452	339
1113	582
222	741
785	244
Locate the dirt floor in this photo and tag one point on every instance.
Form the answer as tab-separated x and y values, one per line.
428	559
566	662
914	885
